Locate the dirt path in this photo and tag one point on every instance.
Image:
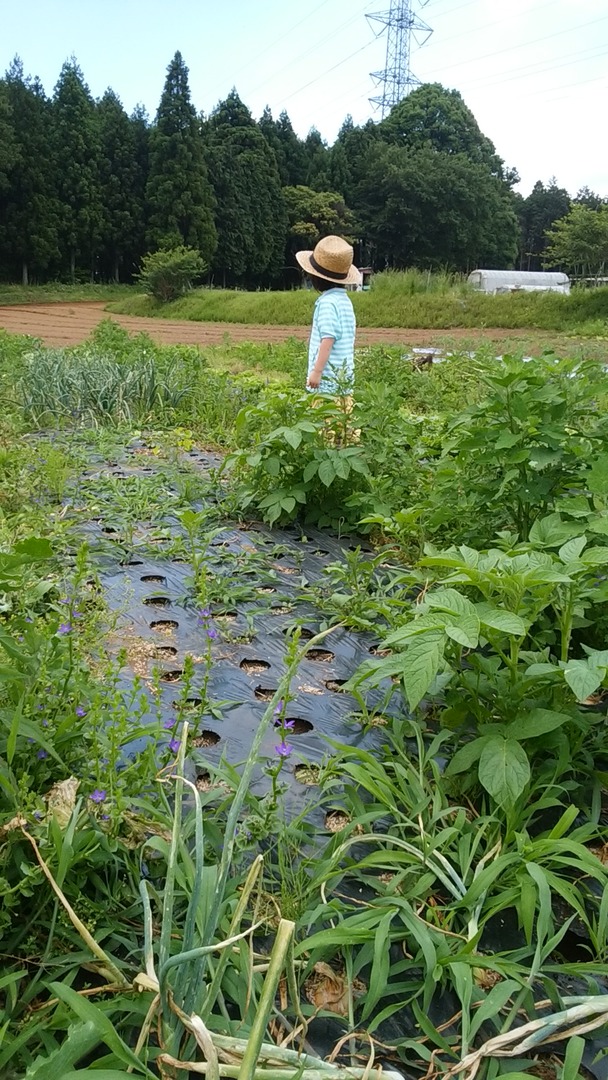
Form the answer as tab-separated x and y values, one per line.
71	323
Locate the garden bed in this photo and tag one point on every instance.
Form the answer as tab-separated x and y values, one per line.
249	773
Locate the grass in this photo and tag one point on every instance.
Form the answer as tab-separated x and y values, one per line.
56	292
406	300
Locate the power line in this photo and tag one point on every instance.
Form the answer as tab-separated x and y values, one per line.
536	69
287	33
328	70
295	60
532	41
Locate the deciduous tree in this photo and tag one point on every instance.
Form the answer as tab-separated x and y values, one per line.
578	242
543	206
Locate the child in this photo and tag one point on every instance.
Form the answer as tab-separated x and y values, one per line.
331	350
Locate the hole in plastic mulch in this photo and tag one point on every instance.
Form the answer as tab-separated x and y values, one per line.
164	626
305	633
300	727
206	738
191	704
335	820
154	579
322	656
376	650
172	676
336	685
307	774
164	652
158	601
254	667
263	693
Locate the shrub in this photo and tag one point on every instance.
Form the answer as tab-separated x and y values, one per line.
167	275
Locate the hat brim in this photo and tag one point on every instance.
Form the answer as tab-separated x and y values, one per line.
303	258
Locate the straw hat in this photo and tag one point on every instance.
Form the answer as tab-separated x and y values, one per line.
331	260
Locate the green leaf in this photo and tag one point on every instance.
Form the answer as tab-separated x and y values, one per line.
574	1056
96	1074
504	769
467	756
536	722
288	504
34	547
501	619
465	631
573	548
494	1002
254	459
86	1011
583	678
327	473
342	467
293	436
551	531
596	556
507	439
450	600
272	465
311	470
421	664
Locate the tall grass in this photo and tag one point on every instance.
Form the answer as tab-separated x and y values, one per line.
57	292
408	299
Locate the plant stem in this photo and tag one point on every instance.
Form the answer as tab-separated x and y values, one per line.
264	1009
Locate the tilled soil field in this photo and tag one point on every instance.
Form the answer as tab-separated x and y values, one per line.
71	323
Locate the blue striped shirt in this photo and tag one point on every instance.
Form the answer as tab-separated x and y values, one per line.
334	317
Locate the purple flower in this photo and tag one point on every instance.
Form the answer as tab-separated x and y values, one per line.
211	633
169	725
283	750
65	628
174	745
98	796
279	708
105	817
289	725
204	614
80	710
28	619
40	707
41	755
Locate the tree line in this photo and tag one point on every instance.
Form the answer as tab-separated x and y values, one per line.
86	190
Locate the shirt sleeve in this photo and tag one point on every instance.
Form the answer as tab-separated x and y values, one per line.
329	323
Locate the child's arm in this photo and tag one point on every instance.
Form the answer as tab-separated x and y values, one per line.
314	379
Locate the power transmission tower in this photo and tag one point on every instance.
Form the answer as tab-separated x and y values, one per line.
402	25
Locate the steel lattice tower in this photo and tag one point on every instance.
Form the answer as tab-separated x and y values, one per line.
401	24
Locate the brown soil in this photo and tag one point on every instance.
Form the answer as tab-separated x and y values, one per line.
71	323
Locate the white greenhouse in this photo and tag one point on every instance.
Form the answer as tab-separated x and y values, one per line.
507	281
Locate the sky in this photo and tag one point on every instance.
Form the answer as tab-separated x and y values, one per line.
533	72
